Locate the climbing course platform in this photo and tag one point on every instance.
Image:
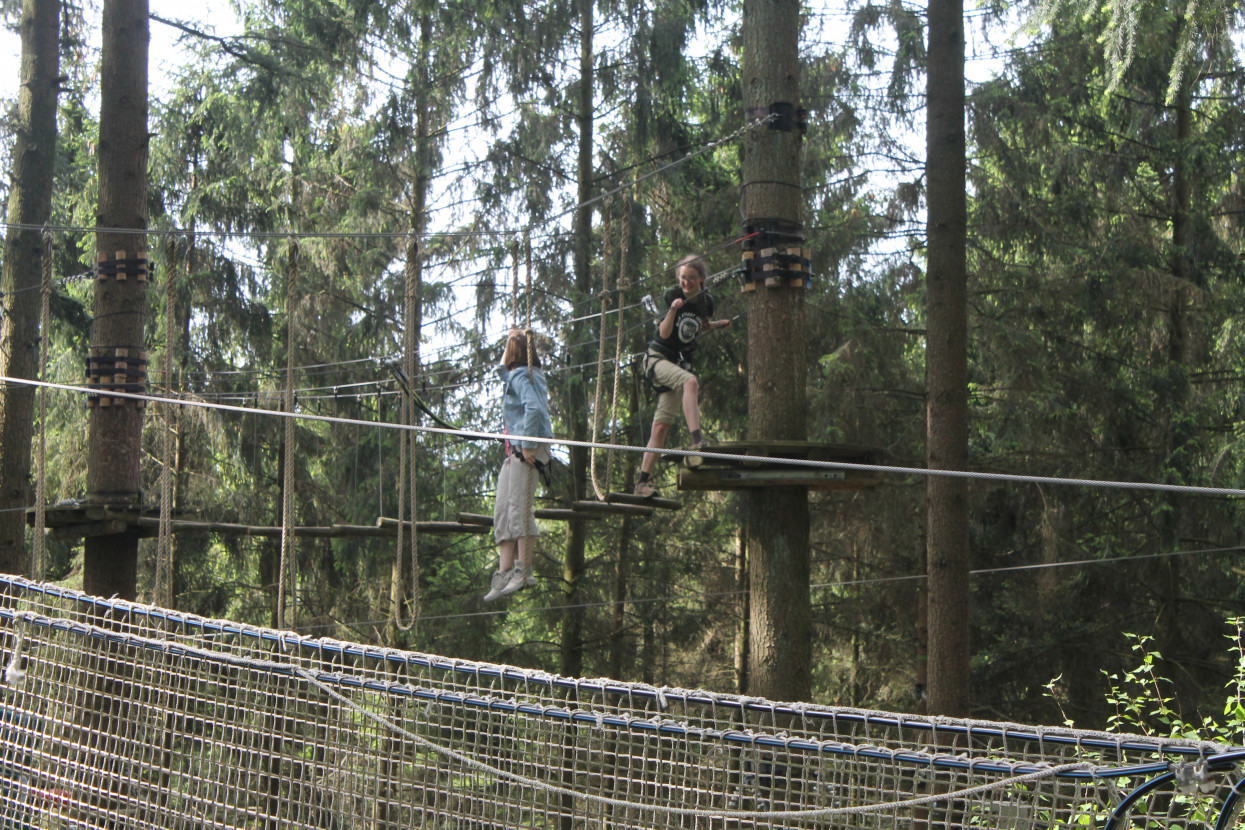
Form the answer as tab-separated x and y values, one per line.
71	522
745	465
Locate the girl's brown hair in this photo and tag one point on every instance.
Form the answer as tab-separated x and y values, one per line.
695	262
517	353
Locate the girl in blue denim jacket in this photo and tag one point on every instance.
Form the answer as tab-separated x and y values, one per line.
525	413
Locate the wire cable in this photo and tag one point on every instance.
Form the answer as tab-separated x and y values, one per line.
751	459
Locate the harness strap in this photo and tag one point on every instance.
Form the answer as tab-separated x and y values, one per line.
650	374
650	370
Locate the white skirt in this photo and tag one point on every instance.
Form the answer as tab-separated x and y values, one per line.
514	514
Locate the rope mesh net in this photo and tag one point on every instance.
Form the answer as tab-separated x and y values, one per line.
124	715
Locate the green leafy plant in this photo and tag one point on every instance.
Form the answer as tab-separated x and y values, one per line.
1144	705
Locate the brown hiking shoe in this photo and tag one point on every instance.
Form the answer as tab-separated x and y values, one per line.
645	489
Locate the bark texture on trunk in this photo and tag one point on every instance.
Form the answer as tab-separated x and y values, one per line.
946	364
777	521
30	203
117	333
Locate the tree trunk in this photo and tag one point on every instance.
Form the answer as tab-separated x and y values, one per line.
116	425
1175	466
777	518
619	640
741	625
946	363
30	203
577	532
411	334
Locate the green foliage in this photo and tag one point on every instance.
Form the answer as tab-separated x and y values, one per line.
1093	354
1143	700
1201	28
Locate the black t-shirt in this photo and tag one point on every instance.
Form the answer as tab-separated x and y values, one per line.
687	323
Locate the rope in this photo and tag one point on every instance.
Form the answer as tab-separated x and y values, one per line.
408	448
755	459
39	554
314	679
411	334
607	246
395	580
746	128
528	471
709	596
746	815
623	285
388	235
514	292
527	248
162	588
288	554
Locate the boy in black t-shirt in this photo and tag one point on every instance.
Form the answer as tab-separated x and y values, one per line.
688	310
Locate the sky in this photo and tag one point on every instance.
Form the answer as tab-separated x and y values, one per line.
217	16
164	53
166	56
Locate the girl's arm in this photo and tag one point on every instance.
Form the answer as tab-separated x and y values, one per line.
533	408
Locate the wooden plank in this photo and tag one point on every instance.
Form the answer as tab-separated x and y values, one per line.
359	531
79	514
562	514
433	527
67	533
384	528
549	514
684	460
227	528
234	529
644	501
450	528
85	513
804	450
719	478
607	509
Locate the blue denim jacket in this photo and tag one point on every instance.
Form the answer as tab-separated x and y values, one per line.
525	405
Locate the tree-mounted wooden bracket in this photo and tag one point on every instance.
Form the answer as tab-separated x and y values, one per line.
115	370
122	266
786	117
776	268
77	520
774	255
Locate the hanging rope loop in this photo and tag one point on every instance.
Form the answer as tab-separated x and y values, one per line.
39	553
514	273
288	563
162	580
408	447
606	261
527	247
622	284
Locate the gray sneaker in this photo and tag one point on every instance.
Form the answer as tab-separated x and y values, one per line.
516	579
529	581
497	587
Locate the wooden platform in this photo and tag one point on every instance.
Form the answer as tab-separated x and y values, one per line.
718	473
617	504
69	523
